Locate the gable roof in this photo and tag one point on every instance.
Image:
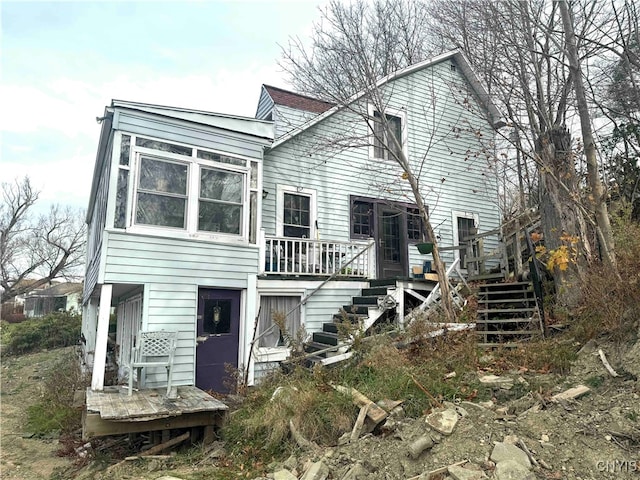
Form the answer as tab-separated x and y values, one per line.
58	290
465	67
247	125
297	100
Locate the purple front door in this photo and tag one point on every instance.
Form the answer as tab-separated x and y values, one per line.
218	334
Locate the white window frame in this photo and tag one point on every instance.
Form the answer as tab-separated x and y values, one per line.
194	165
280	191
281	353
394	112
455	214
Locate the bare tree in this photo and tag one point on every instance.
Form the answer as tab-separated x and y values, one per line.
39	249
355	48
519	49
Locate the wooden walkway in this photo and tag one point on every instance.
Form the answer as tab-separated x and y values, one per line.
113	412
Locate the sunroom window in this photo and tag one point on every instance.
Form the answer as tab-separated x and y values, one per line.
162	193
220	205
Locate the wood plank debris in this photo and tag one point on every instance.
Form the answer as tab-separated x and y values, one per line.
357	427
374	412
606	364
570	394
168	444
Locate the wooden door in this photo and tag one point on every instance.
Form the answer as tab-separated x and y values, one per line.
391	242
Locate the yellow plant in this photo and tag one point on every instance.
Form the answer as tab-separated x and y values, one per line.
560	257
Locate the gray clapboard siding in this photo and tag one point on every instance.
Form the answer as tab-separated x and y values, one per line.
452	179
288	119
172	270
189	134
265	104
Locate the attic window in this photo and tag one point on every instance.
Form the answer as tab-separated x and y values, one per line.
453	67
387	141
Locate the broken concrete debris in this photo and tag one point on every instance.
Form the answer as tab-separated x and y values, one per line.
505	383
507	451
466	472
443	421
317	471
420	445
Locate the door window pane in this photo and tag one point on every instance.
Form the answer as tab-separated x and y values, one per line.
361	219
217	317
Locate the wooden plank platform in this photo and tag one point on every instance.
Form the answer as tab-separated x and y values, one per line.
113	411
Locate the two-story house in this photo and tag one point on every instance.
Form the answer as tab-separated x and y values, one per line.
208	224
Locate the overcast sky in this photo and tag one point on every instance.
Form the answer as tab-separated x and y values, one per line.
63	62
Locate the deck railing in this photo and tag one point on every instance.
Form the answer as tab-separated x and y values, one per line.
302	256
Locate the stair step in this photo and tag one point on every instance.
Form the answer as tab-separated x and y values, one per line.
485	276
330	327
325	337
377	291
383	282
508	300
372	300
349	317
507	332
506	285
506	320
500	345
311	347
359	309
507	310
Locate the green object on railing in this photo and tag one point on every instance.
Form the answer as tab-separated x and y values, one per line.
425	248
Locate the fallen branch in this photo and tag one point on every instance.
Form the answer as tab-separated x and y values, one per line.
606	364
146	457
526	450
438	404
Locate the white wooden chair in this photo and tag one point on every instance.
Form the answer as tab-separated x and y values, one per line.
153	349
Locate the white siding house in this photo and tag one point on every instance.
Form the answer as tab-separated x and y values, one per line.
201	222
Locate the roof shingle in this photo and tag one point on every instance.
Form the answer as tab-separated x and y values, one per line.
296	100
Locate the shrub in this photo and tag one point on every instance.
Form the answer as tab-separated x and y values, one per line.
610	304
55	330
54	412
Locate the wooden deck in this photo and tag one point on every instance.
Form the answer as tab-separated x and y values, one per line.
113	412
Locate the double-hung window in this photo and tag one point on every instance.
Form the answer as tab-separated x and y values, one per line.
220	204
387	134
296	212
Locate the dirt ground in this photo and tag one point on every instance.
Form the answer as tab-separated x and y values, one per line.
21	455
596	436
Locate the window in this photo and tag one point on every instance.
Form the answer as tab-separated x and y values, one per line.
297	215
296	207
414	225
220	206
387	141
188	190
463	222
276	308
161	193
361	219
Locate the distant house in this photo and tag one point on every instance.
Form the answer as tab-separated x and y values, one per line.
208	224
62	297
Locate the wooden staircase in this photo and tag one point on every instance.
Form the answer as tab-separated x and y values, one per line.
373	303
507	313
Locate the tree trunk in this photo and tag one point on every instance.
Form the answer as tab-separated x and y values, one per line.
603	226
560	214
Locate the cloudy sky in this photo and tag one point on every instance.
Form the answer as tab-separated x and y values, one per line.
62	63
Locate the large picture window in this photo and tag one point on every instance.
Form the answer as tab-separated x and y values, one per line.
284	310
